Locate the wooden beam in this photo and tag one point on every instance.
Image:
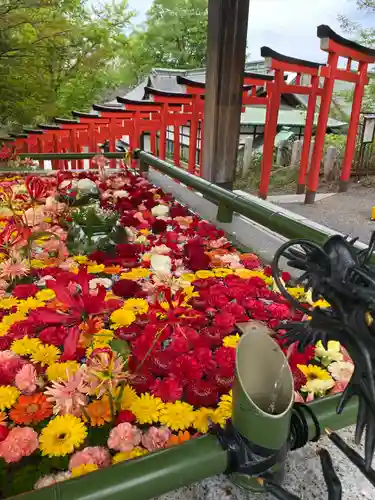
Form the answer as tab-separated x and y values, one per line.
227	32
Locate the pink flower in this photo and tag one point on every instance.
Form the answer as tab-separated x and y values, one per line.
68	396
96	455
124	437
156	438
26	379
20	442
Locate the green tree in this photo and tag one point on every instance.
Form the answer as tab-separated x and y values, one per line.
57	55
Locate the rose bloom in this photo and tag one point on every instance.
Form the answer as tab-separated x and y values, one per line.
96	455
20	442
124	437
156	438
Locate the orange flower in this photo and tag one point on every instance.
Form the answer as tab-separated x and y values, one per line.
181	437
31	409
248	256
99	412
3	418
112	270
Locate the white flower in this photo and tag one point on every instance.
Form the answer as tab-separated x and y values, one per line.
333	353
160	211
341	370
120	194
86	186
45	481
318	386
161	264
69	184
94	283
43	281
160	250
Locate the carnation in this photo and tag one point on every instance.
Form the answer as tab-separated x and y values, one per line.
169	389
156	438
20	442
26	379
23	291
96	455
124	437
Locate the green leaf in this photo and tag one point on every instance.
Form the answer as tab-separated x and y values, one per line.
121	347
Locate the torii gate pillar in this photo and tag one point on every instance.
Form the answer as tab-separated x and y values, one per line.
226	49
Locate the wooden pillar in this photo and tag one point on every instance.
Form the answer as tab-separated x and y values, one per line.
226	48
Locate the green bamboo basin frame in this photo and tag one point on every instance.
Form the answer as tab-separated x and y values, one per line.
157	473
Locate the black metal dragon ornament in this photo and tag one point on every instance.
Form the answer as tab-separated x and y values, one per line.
345	278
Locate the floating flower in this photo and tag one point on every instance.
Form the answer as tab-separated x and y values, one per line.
45	355
231	340
319	380
97	455
20	442
176	416
62	371
224	409
147	408
83	469
99	412
68	396
128	455
26	379
25	346
31	409
202	419
180	438
156	438
8	396
138	306
333	353
122	317
128	397
62	435
105	371
124	437
51	479
341	371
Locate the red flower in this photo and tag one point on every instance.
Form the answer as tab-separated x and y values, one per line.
169	389
224	321
225	358
224	383
285	276
9	369
218	301
129	333
267	271
4	431
237	311
127	289
36	187
213	334
142	382
125	416
25	328
129	250
24	291
159	226
257	281
279	311
299	378
201	393
255	308
53	335
178	211
186	367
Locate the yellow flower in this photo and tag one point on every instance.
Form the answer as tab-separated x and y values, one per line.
61	371
8	396
46	294
333	353
222	272
244	273
188	277
122	317
231	340
319	380
204	274
145	231
31	303
25	346
128	455
177	415
138	306
96	268
38	264
202	419
13	318
62	435
83	469
128	396
136	274
45	355
8	303
81	259
147	408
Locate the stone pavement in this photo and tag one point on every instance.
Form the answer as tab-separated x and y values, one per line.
348	213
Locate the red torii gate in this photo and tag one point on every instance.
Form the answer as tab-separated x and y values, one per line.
337	46
97	129
79	138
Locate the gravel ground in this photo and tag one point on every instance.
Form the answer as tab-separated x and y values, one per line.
304	478
348	212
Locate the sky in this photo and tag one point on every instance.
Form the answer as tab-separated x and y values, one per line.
287	26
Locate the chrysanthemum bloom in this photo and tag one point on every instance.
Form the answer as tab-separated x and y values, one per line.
25	346
177	415
8	396
97	455
99	412
62	435
68	396
128	455
14	267
202	419
147	408
83	469
31	409
156	438
26	379
20	442
62	371
124	437
45	355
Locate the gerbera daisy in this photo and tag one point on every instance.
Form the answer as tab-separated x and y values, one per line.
8	396
45	355
99	412
31	409
177	415
62	435
319	380
147	408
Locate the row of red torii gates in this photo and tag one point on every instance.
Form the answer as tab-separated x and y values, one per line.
165	110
